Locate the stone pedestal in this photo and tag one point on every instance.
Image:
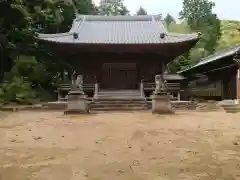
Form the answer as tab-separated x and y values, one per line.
233	108
77	103
161	104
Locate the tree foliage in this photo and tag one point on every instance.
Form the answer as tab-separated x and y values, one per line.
196	12
113	8
197	16
230	37
169	19
32	67
18	91
200	18
141	11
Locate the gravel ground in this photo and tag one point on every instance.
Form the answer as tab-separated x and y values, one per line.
120	146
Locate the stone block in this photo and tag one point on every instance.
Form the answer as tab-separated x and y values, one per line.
77	103
192	105
55	105
161	104
233	108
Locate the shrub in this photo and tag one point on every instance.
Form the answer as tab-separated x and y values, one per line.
17	90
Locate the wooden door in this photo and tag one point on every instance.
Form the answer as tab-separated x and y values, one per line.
119	76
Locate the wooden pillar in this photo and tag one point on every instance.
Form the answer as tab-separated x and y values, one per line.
238	83
99	72
237	62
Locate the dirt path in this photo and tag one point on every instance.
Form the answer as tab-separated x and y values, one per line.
120	146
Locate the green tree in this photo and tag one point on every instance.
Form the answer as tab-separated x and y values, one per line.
14	31
200	18
141	11
18	43
169	19
85	6
196	12
180	63
113	8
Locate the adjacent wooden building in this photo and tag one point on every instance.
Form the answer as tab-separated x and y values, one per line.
216	77
119	52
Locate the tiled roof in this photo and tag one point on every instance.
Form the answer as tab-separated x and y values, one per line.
216	56
91	29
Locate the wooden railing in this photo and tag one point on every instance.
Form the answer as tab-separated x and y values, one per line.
172	87
64	88
67	87
204	92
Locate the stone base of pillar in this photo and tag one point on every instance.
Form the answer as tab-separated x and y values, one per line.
161	104
77	103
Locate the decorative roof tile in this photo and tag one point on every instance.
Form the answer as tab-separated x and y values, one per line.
92	29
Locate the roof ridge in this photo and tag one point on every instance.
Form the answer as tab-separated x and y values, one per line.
118	17
161	24
80	25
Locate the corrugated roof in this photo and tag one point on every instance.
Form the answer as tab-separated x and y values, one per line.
92	29
216	56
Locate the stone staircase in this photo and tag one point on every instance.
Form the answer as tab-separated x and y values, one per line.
125	100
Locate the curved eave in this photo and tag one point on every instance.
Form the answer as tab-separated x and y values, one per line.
168	51
67	38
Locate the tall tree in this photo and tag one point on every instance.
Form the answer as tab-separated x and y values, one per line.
30	16
113	8
200	17
141	11
196	12
169	19
32	68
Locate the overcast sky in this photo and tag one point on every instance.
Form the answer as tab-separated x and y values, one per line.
225	9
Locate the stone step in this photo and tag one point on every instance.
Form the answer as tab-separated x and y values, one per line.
119	109
118	105
122	101
119	91
118	95
137	92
